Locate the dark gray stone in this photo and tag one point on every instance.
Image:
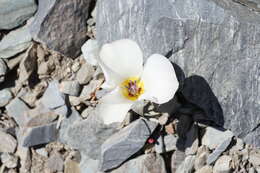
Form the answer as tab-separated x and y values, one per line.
38	135
147	163
17	109
61	25
218	151
218	40
122	145
192	141
52	97
15	12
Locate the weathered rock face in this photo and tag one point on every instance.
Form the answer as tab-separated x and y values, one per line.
218	40
61	25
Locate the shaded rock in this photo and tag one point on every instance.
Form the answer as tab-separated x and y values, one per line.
9	160
192	141
70	88
90	51
122	145
88	90
3	70
147	163
205	169
166	143
177	158
15	42
212	39
5	97
85	73
89	165
17	109
71	166
254	158
7	143
42	152
238	146
64	21
163	118
87	112
214	137
187	165
15	12
52	98
54	163
38	135
218	151
222	165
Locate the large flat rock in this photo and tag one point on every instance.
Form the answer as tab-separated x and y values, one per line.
218	40
61	25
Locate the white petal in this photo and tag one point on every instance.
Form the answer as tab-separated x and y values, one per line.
90	50
159	79
114	106
111	113
124	57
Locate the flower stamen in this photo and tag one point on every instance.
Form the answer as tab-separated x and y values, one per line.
132	88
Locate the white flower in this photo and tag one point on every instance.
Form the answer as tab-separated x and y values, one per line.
130	81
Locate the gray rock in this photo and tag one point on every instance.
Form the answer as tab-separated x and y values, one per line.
5	97
70	88
52	97
55	163
177	159
166	143
222	165
15	42
254	158
7	143
200	161
62	110
32	136
71	166
25	159
87	112
216	39
85	73
3	70
86	135
18	110
205	169
122	145
88	165
15	12
214	137
147	163
89	89
9	160
187	165
218	151
42	152
61	25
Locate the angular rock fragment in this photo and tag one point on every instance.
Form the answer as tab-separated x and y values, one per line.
214	137
71	166
61	25
15	42
147	163
55	163
254	158
166	143
15	12
187	165
3	70
32	136
52	98
17	109
205	169
222	165
218	151
177	159
25	158
7	143
70	87
88	90
200	161
5	97
122	145
85	73
9	160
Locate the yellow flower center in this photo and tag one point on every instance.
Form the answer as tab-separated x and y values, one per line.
132	88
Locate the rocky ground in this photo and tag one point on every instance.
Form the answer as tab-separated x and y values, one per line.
48	95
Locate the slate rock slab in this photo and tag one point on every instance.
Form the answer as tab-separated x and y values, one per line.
122	145
61	25
147	163
15	12
216	39
15	42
